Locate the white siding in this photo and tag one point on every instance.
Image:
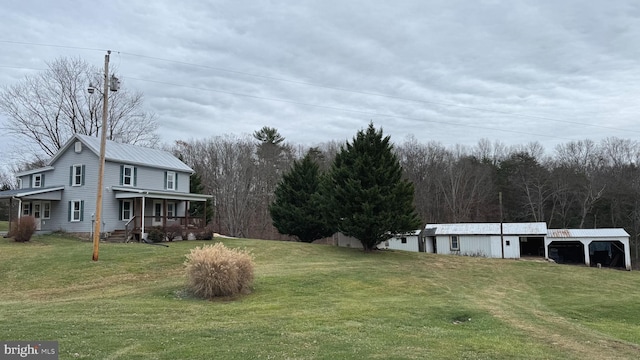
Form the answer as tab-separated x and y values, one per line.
480	245
87	192
410	245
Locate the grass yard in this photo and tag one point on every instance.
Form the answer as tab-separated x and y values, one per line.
314	302
4	226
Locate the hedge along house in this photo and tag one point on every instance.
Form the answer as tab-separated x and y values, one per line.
143	188
508	240
592	247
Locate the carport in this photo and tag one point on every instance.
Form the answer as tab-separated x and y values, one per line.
593	247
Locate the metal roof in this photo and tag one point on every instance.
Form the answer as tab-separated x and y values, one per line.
586	233
18	193
128	154
532	228
127	192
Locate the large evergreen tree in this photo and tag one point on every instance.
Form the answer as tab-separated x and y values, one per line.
295	208
367	198
197	208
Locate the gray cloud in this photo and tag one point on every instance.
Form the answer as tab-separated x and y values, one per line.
561	61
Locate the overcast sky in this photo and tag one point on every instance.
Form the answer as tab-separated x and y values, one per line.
447	71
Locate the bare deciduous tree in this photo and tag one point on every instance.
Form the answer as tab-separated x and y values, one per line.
49	107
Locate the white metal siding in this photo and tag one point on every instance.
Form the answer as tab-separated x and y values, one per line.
475	245
410	245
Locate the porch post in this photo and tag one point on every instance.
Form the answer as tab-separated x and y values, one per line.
10	214
164	213
204	215
142	219
186	212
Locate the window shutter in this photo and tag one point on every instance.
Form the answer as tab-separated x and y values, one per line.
71	175
42	180
175	185
135	176
165	180
81	210
120	206
83	171
121	174
69	215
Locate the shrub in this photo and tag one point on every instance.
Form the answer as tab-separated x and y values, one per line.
204	234
173	231
156	234
215	270
23	229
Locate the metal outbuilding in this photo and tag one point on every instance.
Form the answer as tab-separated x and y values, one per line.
496	240
592	247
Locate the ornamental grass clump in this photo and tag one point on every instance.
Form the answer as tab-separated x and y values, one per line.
216	271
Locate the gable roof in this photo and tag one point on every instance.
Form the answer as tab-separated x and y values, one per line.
530	228
127	154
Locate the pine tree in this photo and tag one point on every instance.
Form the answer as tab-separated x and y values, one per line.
295	209
197	208
367	198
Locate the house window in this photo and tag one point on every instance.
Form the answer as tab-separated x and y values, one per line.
19	183
46	210
26	209
36	181
76	209
171	180
77	175
454	242
157	212
127	209
171	210
403	240
128	175
36	210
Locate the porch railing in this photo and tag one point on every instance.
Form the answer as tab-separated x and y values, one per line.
133	226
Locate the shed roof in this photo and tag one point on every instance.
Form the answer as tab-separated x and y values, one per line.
19	193
586	233
531	228
128	154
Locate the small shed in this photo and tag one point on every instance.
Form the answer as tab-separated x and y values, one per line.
409	241
592	247
343	240
496	240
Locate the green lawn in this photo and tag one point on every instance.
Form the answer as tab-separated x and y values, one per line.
314	302
4	226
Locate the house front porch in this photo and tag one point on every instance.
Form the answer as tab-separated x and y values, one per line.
141	210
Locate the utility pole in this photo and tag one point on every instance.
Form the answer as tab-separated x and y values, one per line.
103	143
501	226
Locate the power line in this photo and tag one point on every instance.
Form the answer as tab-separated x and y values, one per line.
20	68
51	45
368	113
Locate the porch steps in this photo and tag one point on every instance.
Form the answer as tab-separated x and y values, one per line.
117	236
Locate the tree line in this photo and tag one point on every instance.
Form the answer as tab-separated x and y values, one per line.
579	184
